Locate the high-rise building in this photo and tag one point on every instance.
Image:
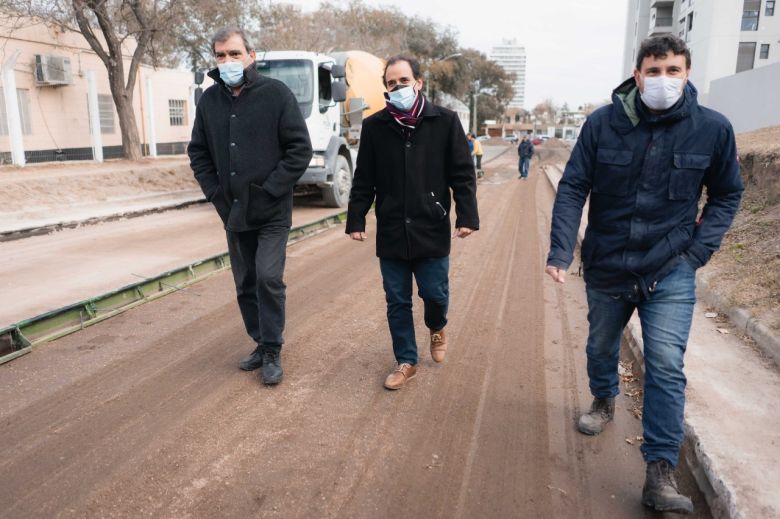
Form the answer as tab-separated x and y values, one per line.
725	37
511	57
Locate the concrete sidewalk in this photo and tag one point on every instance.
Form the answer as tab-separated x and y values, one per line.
732	393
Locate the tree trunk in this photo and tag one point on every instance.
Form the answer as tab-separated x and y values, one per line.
131	142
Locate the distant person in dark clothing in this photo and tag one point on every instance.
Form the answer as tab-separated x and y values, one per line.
526	151
249	176
644	161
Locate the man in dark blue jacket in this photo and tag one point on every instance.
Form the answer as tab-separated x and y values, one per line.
644	161
249	146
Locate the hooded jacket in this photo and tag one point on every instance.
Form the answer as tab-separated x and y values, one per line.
645	173
248	151
413	182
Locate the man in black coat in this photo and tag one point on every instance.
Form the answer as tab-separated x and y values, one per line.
526	151
643	161
249	146
413	159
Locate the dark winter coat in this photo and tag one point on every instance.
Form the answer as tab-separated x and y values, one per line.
248	151
412	181
525	149
644	173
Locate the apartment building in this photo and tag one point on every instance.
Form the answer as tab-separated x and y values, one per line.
726	37
49	68
511	57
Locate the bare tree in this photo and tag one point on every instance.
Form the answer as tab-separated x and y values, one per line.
110	26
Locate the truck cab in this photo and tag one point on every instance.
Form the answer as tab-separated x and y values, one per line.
320	84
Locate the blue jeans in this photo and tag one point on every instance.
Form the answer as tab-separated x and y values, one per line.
666	321
524	166
432	275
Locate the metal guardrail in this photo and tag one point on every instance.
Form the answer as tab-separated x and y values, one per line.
20	338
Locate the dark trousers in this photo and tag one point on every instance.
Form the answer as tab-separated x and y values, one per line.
479	161
257	259
432	275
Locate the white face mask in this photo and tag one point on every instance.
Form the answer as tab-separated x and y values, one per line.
661	92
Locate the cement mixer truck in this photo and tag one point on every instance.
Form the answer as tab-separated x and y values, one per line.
334	92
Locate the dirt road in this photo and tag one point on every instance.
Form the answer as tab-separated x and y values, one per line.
147	413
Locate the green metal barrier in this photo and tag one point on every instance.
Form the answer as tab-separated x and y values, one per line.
20	338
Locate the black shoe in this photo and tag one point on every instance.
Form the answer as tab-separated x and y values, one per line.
660	491
602	410
272	365
253	361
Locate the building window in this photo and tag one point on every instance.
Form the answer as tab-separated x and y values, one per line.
690	21
106	111
750	11
176	112
764	53
746	55
23	101
770	8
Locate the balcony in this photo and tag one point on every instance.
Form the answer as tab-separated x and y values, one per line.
662	3
662	25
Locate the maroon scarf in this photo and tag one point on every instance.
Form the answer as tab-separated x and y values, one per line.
408	120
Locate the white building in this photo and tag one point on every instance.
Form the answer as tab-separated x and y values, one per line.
49	70
511	57
725	36
459	107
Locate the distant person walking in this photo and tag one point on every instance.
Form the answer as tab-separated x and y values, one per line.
249	176
476	151
526	151
413	159
644	160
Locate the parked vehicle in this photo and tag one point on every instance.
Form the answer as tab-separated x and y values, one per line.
334	92
536	141
511	138
483	137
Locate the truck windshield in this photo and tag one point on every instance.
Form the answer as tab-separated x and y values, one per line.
297	74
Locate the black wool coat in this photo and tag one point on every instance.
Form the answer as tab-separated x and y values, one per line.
248	151
414	182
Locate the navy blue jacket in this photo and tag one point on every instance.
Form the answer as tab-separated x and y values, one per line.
644	173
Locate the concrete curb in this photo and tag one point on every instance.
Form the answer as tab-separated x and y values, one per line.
718	493
48	228
766	339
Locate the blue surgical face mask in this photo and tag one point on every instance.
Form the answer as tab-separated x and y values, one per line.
403	98
231	72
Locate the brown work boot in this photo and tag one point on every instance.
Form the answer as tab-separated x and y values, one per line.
438	345
400	375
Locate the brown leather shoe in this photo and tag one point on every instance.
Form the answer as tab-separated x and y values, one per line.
400	375
438	345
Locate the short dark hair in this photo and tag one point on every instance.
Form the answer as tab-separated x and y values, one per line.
225	33
659	46
413	63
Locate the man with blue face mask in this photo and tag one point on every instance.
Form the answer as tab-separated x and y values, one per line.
249	146
644	161
413	160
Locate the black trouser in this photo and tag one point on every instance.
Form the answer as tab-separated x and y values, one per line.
479	161
257	259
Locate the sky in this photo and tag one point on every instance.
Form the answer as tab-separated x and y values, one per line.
574	48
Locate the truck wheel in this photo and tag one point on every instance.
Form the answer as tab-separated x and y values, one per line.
337	195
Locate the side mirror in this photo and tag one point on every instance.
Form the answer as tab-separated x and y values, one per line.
338	71
339	91
199	77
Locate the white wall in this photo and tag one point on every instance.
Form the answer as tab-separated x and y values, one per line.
749	99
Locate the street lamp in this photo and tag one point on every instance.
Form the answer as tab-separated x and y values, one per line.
428	69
